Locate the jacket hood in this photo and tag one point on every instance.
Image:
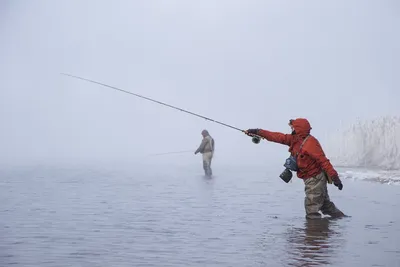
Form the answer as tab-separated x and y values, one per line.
205	133
301	126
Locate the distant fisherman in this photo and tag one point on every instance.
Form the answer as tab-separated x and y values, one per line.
206	148
309	161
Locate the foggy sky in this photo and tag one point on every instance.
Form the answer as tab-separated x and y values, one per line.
252	64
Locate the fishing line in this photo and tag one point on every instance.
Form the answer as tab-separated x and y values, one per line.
175	152
255	138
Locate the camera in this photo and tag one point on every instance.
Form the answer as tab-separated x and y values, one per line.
286	175
290	165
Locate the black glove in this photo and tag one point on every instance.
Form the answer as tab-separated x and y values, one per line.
337	182
252	131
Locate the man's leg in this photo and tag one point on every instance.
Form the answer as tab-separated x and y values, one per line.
315	196
209	163
206	163
328	207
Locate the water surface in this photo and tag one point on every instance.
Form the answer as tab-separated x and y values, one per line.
110	216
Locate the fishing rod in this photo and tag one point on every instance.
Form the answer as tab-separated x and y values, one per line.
255	138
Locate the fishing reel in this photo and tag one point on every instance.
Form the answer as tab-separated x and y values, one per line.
256	139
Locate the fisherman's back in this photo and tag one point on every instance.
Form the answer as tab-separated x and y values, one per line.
311	158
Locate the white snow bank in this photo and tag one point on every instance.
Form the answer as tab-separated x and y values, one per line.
371	175
370	144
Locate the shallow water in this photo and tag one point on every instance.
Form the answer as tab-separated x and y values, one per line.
98	216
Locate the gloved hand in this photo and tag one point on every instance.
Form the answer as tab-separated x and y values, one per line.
251	131
337	182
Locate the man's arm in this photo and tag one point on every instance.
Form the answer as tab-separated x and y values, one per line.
276	137
315	151
201	147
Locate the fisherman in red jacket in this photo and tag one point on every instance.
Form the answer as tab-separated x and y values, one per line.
311	165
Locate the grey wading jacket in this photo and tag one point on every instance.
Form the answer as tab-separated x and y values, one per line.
207	145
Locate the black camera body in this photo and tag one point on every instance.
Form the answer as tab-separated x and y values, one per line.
286	175
290	165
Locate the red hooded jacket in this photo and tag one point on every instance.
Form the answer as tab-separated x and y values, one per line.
311	160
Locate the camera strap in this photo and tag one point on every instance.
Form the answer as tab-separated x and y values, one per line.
301	146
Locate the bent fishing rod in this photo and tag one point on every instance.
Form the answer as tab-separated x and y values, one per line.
255	138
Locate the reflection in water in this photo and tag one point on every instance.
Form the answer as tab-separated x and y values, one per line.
312	245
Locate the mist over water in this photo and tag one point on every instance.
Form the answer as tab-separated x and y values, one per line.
79	182
250	65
